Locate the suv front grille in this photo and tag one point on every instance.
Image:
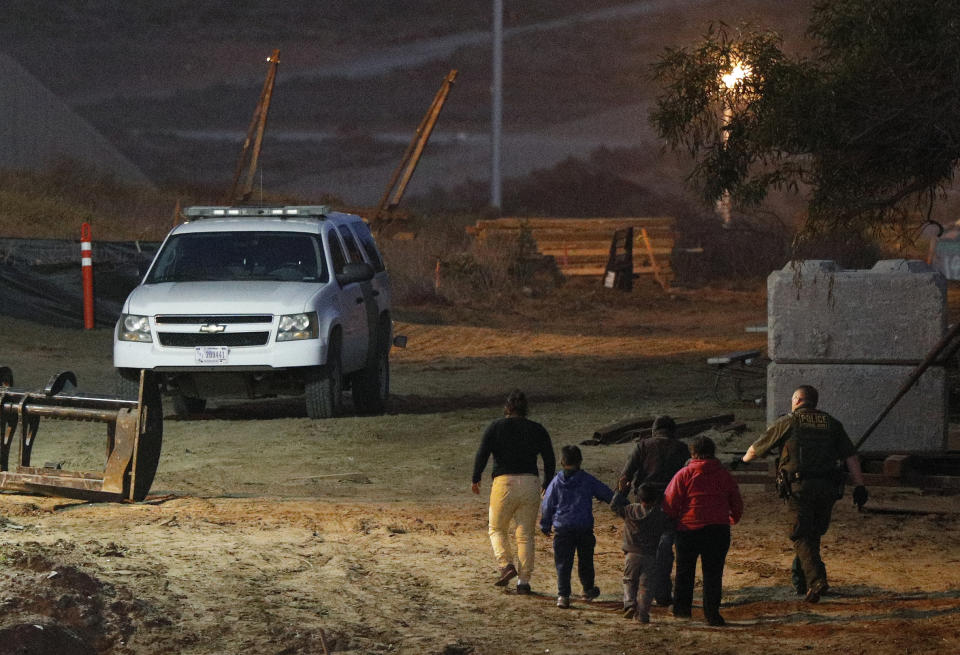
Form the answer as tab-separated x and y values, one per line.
188	340
224	320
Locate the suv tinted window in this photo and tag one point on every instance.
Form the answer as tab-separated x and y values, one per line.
369	246
351	244
336	252
229	256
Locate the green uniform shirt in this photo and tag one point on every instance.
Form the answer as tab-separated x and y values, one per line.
808	442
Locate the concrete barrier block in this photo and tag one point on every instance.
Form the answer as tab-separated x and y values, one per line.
856	394
893	313
901	266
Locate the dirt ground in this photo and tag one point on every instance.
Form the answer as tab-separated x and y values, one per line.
271	533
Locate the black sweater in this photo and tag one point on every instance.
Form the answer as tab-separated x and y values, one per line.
655	460
515	442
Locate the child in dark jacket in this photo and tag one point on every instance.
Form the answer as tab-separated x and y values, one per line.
567	510
644	523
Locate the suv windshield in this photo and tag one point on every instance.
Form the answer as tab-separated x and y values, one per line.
227	256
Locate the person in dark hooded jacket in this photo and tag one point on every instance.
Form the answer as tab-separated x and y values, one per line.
567	511
654	461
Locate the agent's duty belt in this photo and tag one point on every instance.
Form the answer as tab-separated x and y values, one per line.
817	475
798	476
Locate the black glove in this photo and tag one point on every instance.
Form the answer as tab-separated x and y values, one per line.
860	496
735	463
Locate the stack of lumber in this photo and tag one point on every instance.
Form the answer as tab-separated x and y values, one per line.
581	246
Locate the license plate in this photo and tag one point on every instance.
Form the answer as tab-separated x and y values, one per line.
212	354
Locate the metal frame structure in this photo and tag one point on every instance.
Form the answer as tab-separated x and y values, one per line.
134	436
746	373
411	157
250	153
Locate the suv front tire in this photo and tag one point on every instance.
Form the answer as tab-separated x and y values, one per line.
323	387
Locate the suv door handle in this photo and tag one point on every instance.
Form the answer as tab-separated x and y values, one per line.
359	300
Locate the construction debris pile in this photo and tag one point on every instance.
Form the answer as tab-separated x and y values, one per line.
637	429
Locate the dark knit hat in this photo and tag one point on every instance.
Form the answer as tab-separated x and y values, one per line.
664	425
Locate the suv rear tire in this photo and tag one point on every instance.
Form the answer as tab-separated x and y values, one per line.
371	386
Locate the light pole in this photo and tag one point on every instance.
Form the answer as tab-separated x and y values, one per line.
496	90
730	80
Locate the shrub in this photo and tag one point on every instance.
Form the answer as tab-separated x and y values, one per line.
53	204
444	266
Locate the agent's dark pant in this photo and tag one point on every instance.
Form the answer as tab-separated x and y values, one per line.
810	508
566	544
710	544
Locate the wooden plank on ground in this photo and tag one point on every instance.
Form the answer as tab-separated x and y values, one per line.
608	433
685	429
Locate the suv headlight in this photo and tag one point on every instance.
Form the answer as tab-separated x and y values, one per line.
297	326
133	327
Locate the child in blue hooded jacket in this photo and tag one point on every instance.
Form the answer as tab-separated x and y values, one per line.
567	510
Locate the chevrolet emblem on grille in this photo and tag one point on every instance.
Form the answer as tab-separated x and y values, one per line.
213	328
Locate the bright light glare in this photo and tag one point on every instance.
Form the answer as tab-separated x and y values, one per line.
740	71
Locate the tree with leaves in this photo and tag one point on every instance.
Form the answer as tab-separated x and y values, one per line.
867	126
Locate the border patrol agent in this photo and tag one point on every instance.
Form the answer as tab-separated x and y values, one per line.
808	443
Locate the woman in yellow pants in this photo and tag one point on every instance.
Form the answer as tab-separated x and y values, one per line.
515	443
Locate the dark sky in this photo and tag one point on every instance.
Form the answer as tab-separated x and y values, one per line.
173	84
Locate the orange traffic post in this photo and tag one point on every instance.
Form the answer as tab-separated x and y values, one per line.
86	266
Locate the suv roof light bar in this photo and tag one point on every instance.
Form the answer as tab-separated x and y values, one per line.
309	211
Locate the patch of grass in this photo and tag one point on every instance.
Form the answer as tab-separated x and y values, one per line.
53	203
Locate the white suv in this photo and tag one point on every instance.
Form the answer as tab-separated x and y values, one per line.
258	301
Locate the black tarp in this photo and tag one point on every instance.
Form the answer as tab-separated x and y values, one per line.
41	279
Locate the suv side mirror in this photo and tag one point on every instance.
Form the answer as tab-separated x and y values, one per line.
355	273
